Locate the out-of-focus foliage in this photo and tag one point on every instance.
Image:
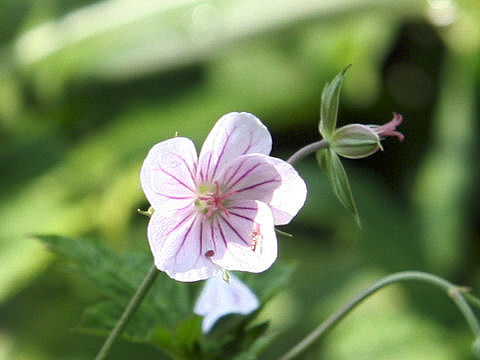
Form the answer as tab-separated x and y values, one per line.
86	88
165	317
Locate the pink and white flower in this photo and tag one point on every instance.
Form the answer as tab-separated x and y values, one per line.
218	210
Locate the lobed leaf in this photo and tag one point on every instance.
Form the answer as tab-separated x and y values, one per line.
117	277
165	318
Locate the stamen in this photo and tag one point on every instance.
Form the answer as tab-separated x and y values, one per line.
256	238
214	200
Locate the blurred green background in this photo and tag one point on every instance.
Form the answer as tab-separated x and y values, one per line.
87	87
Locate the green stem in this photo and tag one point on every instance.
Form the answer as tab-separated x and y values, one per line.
307	150
452	291
128	313
472	299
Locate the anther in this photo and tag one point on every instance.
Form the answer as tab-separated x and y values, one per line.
209	253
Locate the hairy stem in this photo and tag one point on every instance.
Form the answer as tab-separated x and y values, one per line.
128	313
307	150
453	291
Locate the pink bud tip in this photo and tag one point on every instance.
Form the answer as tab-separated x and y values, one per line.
390	128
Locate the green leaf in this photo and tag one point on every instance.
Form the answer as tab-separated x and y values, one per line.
100	319
184	342
189	334
331	164
329	105
257	346
165	340
117	278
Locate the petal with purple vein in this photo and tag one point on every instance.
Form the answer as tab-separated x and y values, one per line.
246	239
250	177
168	174
179	244
289	197
233	135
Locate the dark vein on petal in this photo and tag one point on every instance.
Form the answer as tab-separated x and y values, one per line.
234	173
222	152
175	178
249	146
186	165
222	234
241	216
212	234
183	208
245	174
201	237
174	197
242	208
180	223
256	185
234	230
185	238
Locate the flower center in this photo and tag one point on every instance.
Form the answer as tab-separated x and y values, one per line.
210	199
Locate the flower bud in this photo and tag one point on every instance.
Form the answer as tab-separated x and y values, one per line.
355	141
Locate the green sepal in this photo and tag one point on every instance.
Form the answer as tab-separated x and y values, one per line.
331	164
329	105
355	141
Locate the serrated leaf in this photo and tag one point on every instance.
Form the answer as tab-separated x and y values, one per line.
329	105
100	319
117	277
331	164
97	264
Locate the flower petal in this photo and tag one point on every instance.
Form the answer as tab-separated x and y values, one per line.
267	179
219	298
250	177
180	245
289	197
168	174
245	240
233	135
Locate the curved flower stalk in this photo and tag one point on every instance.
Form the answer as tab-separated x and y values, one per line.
353	141
218	210
219	298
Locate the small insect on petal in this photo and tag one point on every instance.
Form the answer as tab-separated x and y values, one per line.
256	239
209	253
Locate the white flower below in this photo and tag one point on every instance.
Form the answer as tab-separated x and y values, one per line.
219	298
